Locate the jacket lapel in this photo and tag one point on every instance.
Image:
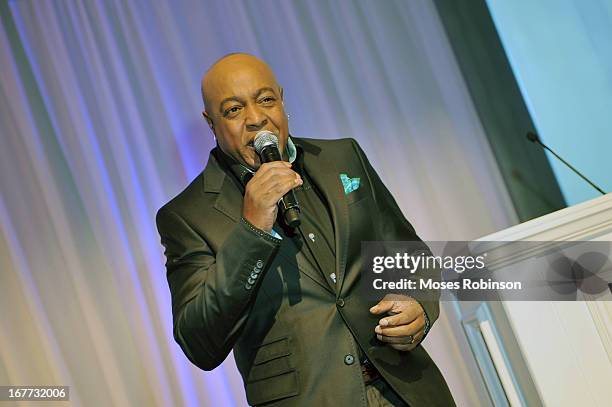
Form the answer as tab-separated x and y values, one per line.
229	200
291	253
320	165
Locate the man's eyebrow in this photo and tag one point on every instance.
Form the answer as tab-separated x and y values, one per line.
262	90
229	99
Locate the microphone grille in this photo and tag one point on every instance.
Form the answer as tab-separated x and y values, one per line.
264	138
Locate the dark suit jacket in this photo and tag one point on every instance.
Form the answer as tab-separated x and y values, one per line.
291	333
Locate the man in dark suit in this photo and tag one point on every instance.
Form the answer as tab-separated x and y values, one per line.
286	301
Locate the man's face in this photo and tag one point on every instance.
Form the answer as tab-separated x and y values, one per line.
243	98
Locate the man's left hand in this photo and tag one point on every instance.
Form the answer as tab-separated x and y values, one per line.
404	326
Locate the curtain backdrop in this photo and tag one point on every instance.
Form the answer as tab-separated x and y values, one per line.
101	125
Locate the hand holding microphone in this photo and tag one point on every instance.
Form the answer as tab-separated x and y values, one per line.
271	187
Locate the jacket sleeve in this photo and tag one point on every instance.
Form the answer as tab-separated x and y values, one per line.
212	292
393	226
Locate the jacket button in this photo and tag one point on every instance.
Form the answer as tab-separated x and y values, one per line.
250	281
340	302
349	359
248	286
259	264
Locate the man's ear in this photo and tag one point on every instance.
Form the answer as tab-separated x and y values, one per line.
281	93
208	120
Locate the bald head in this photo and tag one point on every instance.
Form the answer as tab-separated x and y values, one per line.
226	70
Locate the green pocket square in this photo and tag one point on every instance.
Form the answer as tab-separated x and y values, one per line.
349	184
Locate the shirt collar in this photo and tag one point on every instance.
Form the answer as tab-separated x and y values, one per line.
291	150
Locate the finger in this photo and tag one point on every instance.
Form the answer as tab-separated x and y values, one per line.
287	183
276	189
275	174
403	330
402	343
279	179
276	170
273	180
408	313
409	346
396	340
382	306
391	303
265	167
272	164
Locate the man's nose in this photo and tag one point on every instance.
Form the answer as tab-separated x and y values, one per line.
255	119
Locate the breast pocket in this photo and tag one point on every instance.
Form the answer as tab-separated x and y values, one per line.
357	195
273	376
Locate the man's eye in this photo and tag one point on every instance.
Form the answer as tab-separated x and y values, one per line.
232	110
267	99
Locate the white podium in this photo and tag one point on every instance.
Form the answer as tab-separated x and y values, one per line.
566	345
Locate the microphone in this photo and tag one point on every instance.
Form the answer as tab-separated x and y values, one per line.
531	136
266	145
